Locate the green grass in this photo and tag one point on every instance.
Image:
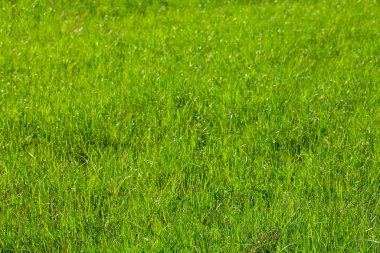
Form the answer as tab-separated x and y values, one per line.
195	126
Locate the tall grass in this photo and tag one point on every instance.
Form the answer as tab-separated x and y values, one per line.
205	126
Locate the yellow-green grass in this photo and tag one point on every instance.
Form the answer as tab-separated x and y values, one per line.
194	126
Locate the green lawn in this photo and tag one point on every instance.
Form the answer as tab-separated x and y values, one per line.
189	125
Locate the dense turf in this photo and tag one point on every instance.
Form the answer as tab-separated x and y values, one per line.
219	126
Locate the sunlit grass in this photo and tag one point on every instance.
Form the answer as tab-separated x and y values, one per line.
210	126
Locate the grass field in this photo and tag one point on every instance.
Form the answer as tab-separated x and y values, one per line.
195	126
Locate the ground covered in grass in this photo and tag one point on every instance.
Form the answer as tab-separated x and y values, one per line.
205	126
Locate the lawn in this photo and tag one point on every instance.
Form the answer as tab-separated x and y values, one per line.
194	126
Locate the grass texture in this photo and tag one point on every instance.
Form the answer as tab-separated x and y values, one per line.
194	126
